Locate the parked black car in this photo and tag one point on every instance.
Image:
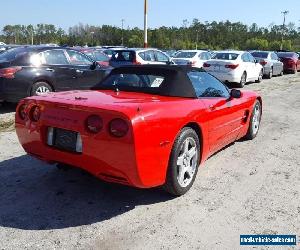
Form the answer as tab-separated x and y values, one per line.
33	70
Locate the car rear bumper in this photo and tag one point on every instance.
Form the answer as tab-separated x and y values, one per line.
13	90
226	77
106	157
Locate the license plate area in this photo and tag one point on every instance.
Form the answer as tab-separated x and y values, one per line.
65	140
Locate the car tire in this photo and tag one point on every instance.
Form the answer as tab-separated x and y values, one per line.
260	76
270	75
295	70
183	163
40	88
255	120
281	73
243	80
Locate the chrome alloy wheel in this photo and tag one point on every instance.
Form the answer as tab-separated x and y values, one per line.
256	118
187	162
42	90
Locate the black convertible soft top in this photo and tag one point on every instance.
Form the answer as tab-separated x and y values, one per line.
176	83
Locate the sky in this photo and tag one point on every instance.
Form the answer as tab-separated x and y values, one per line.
66	13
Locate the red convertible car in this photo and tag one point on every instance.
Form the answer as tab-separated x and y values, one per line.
142	126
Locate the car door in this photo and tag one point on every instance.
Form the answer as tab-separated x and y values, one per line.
202	57
56	68
276	64
150	57
161	58
224	114
86	75
253	67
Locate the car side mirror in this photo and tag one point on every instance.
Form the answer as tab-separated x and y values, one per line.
94	65
235	93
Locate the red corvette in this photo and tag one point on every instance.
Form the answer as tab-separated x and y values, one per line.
142	126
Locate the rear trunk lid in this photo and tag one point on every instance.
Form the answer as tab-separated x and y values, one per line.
220	66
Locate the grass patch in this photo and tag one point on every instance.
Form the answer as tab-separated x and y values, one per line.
7	126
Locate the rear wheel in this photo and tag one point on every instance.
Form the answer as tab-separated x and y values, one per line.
260	76
281	73
40	88
183	163
270	75
254	123
243	80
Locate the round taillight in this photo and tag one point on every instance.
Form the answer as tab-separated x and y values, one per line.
22	111
35	113
94	124
118	127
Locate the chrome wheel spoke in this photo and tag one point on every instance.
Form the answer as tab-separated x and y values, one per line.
180	161
192	152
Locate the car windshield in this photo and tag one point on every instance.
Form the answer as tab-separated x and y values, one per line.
185	54
226	56
260	54
12	54
286	54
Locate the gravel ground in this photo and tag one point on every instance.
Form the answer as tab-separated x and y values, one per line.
250	187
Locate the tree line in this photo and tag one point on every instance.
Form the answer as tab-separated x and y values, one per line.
190	35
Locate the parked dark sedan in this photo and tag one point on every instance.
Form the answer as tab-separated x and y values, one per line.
34	70
291	62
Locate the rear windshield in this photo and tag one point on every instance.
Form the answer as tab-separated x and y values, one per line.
286	54
185	54
129	81
123	56
12	54
226	56
260	54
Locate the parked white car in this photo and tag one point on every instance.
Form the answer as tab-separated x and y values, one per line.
133	56
194	58
235	67
2	44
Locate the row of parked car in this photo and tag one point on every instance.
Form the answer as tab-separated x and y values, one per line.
34	70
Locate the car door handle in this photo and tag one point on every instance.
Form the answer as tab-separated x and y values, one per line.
79	71
50	70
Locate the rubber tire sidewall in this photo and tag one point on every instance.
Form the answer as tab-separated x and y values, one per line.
241	85
250	135
171	185
270	75
261	73
36	85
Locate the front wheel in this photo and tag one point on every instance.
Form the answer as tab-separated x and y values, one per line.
270	75
243	80
254	123
183	163
260	76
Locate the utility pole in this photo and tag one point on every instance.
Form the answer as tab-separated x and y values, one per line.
145	24
283	27
92	33
197	39
122	31
32	33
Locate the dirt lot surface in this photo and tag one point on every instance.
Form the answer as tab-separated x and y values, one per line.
251	187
